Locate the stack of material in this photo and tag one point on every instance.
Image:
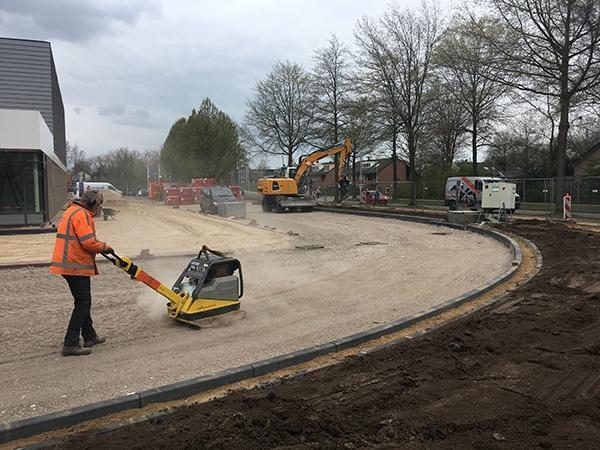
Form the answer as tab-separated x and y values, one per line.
232	209
203	182
172	197
186	196
156	190
196	191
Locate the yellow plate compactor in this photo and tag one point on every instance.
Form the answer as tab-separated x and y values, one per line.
210	285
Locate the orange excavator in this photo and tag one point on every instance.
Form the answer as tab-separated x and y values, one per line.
281	194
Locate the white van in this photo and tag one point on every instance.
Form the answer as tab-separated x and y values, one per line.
466	192
83	186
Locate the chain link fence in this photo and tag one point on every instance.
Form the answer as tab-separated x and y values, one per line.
535	193
583	190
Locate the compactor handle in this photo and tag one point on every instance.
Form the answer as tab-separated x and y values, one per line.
207	250
114	258
121	263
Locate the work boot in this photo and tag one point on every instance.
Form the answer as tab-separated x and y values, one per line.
96	340
75	350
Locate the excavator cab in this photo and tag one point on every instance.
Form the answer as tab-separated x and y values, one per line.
285	193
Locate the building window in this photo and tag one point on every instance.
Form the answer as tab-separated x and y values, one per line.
21	188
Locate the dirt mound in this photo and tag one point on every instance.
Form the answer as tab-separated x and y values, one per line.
113	199
523	374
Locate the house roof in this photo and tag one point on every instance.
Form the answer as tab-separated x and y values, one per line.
380	164
587	154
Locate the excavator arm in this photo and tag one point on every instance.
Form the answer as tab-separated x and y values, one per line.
343	149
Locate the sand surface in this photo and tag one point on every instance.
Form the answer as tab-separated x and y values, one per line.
294	298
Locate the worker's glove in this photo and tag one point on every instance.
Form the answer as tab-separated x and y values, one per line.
109	250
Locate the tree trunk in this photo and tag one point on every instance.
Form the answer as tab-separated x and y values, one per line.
561	149
337	177
413	174
354	184
395	166
474	146
412	151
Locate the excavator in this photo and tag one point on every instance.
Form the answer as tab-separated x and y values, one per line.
281	194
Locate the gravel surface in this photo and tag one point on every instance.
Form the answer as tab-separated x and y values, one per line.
294	298
521	374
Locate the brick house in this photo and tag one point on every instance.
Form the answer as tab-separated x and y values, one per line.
581	166
376	173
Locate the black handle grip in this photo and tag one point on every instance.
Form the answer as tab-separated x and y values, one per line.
114	258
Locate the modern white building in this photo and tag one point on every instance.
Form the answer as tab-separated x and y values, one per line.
33	177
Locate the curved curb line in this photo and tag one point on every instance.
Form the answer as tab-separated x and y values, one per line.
20	429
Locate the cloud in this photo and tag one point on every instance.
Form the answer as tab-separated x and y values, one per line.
129	68
136	118
121	115
111	110
69	20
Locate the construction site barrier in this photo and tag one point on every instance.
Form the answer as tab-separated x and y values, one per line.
567	210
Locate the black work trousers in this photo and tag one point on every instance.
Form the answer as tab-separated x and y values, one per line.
81	319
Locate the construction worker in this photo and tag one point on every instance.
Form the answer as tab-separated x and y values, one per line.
74	258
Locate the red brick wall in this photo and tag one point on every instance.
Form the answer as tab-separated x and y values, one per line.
386	175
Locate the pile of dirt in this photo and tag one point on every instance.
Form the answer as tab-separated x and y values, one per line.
113	199
524	373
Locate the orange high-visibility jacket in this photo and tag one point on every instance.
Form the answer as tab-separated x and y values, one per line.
76	245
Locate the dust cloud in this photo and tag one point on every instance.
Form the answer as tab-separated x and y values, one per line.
152	303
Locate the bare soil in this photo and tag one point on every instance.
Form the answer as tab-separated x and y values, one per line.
294	298
524	373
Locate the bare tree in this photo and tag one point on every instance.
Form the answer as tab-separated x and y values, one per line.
77	161
396	51
331	81
520	148
463	55
376	82
361	128
279	117
551	47
447	122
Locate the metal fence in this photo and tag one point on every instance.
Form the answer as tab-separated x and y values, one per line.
584	190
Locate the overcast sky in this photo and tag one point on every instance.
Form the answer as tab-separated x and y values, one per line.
129	68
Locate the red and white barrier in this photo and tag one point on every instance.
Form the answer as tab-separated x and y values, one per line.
567	210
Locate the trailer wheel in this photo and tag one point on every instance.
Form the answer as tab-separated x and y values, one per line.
452	205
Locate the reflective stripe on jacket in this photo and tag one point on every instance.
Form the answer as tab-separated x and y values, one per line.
76	244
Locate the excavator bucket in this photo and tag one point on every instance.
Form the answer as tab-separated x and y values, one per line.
210	285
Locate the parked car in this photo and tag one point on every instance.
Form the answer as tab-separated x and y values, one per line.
373	198
210	197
